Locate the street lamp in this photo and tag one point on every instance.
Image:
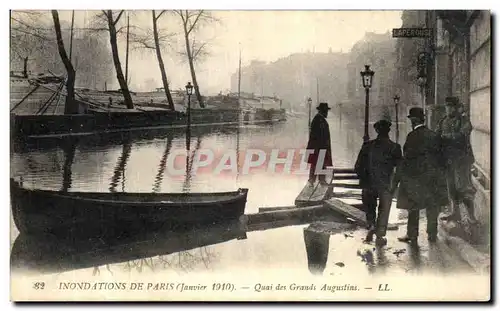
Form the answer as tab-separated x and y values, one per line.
189	91
396	103
422	61
309	103
340	114
367	78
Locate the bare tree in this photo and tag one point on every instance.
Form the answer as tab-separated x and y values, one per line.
26	37
71	106
145	42
191	20
160	60
112	21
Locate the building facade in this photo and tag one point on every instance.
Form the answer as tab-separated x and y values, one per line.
462	68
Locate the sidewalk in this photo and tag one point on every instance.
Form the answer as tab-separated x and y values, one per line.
468	243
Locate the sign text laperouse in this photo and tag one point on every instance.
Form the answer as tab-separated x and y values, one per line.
411	32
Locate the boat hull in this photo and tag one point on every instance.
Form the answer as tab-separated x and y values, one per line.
115	214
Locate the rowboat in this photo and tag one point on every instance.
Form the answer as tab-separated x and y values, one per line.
61	213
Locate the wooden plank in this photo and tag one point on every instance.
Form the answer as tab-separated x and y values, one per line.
313	194
344	171
276	208
298	213
347	186
347	210
345	177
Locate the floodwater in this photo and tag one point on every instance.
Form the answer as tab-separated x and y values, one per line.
139	165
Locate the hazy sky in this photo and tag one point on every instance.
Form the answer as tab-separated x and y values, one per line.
264	35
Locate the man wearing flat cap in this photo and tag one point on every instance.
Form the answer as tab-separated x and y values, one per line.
319	143
421	178
375	168
454	130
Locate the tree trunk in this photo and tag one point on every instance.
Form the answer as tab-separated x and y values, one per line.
25	67
116	61
71	107
162	65
191	67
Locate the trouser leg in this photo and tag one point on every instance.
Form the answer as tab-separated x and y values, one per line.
384	209
469	204
369	198
312	173
453	194
431	214
322	176
413	219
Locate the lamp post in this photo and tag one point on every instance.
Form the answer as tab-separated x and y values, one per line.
189	92
422	77
367	78
340	114
396	103
309	103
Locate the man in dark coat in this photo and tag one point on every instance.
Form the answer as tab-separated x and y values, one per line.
421	178
375	168
454	130
319	140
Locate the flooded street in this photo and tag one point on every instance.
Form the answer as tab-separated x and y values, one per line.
140	166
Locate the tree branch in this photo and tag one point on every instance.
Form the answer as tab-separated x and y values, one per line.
158	17
31	34
195	54
119	16
195	22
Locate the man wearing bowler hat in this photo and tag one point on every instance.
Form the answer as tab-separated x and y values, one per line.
375	168
319	143
420	178
454	130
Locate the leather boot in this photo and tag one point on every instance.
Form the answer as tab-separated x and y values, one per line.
455	214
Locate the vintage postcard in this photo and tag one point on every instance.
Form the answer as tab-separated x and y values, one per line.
198	155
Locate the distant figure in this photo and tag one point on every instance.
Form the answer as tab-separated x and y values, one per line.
454	130
319	139
375	166
421	179
110	101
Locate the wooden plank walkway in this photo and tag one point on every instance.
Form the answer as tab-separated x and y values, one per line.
341	202
313	194
347	210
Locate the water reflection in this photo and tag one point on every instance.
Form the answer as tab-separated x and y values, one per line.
189	160
415	257
119	171
375	259
47	254
317	247
163	164
69	158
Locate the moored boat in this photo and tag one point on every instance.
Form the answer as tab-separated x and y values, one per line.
61	213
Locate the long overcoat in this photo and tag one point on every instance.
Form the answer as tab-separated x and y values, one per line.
421	176
319	138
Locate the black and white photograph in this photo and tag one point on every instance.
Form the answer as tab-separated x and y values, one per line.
250	155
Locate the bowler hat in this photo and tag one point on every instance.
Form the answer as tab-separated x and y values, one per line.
382	124
452	101
416	112
323	106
